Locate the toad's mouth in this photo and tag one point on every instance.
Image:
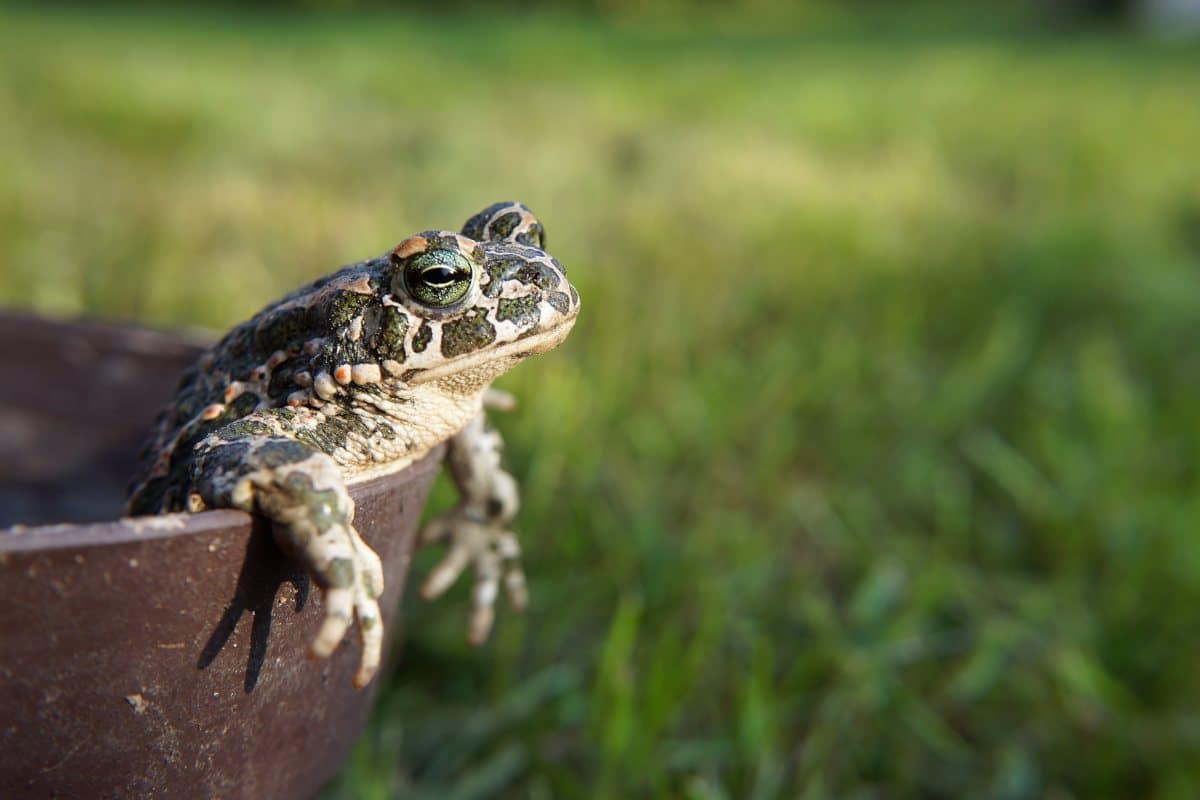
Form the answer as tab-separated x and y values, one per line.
528	345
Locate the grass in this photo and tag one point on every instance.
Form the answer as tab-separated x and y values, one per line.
870	468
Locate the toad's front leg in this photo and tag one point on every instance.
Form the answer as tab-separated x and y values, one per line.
252	466
478	527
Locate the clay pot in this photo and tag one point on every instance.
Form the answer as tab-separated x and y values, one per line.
160	656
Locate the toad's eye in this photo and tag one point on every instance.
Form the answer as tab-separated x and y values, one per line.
438	278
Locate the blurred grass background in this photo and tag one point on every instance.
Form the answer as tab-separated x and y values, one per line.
870	468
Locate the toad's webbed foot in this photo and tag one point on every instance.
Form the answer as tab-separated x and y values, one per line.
301	490
478	528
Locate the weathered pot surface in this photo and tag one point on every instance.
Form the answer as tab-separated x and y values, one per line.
160	656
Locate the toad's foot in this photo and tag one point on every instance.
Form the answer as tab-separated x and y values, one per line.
301	490
495	555
359	597
478	528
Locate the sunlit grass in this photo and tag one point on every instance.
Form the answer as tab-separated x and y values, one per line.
871	464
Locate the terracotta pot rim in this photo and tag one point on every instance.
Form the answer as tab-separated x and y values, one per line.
90	535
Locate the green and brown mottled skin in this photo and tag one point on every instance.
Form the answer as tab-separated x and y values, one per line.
360	373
